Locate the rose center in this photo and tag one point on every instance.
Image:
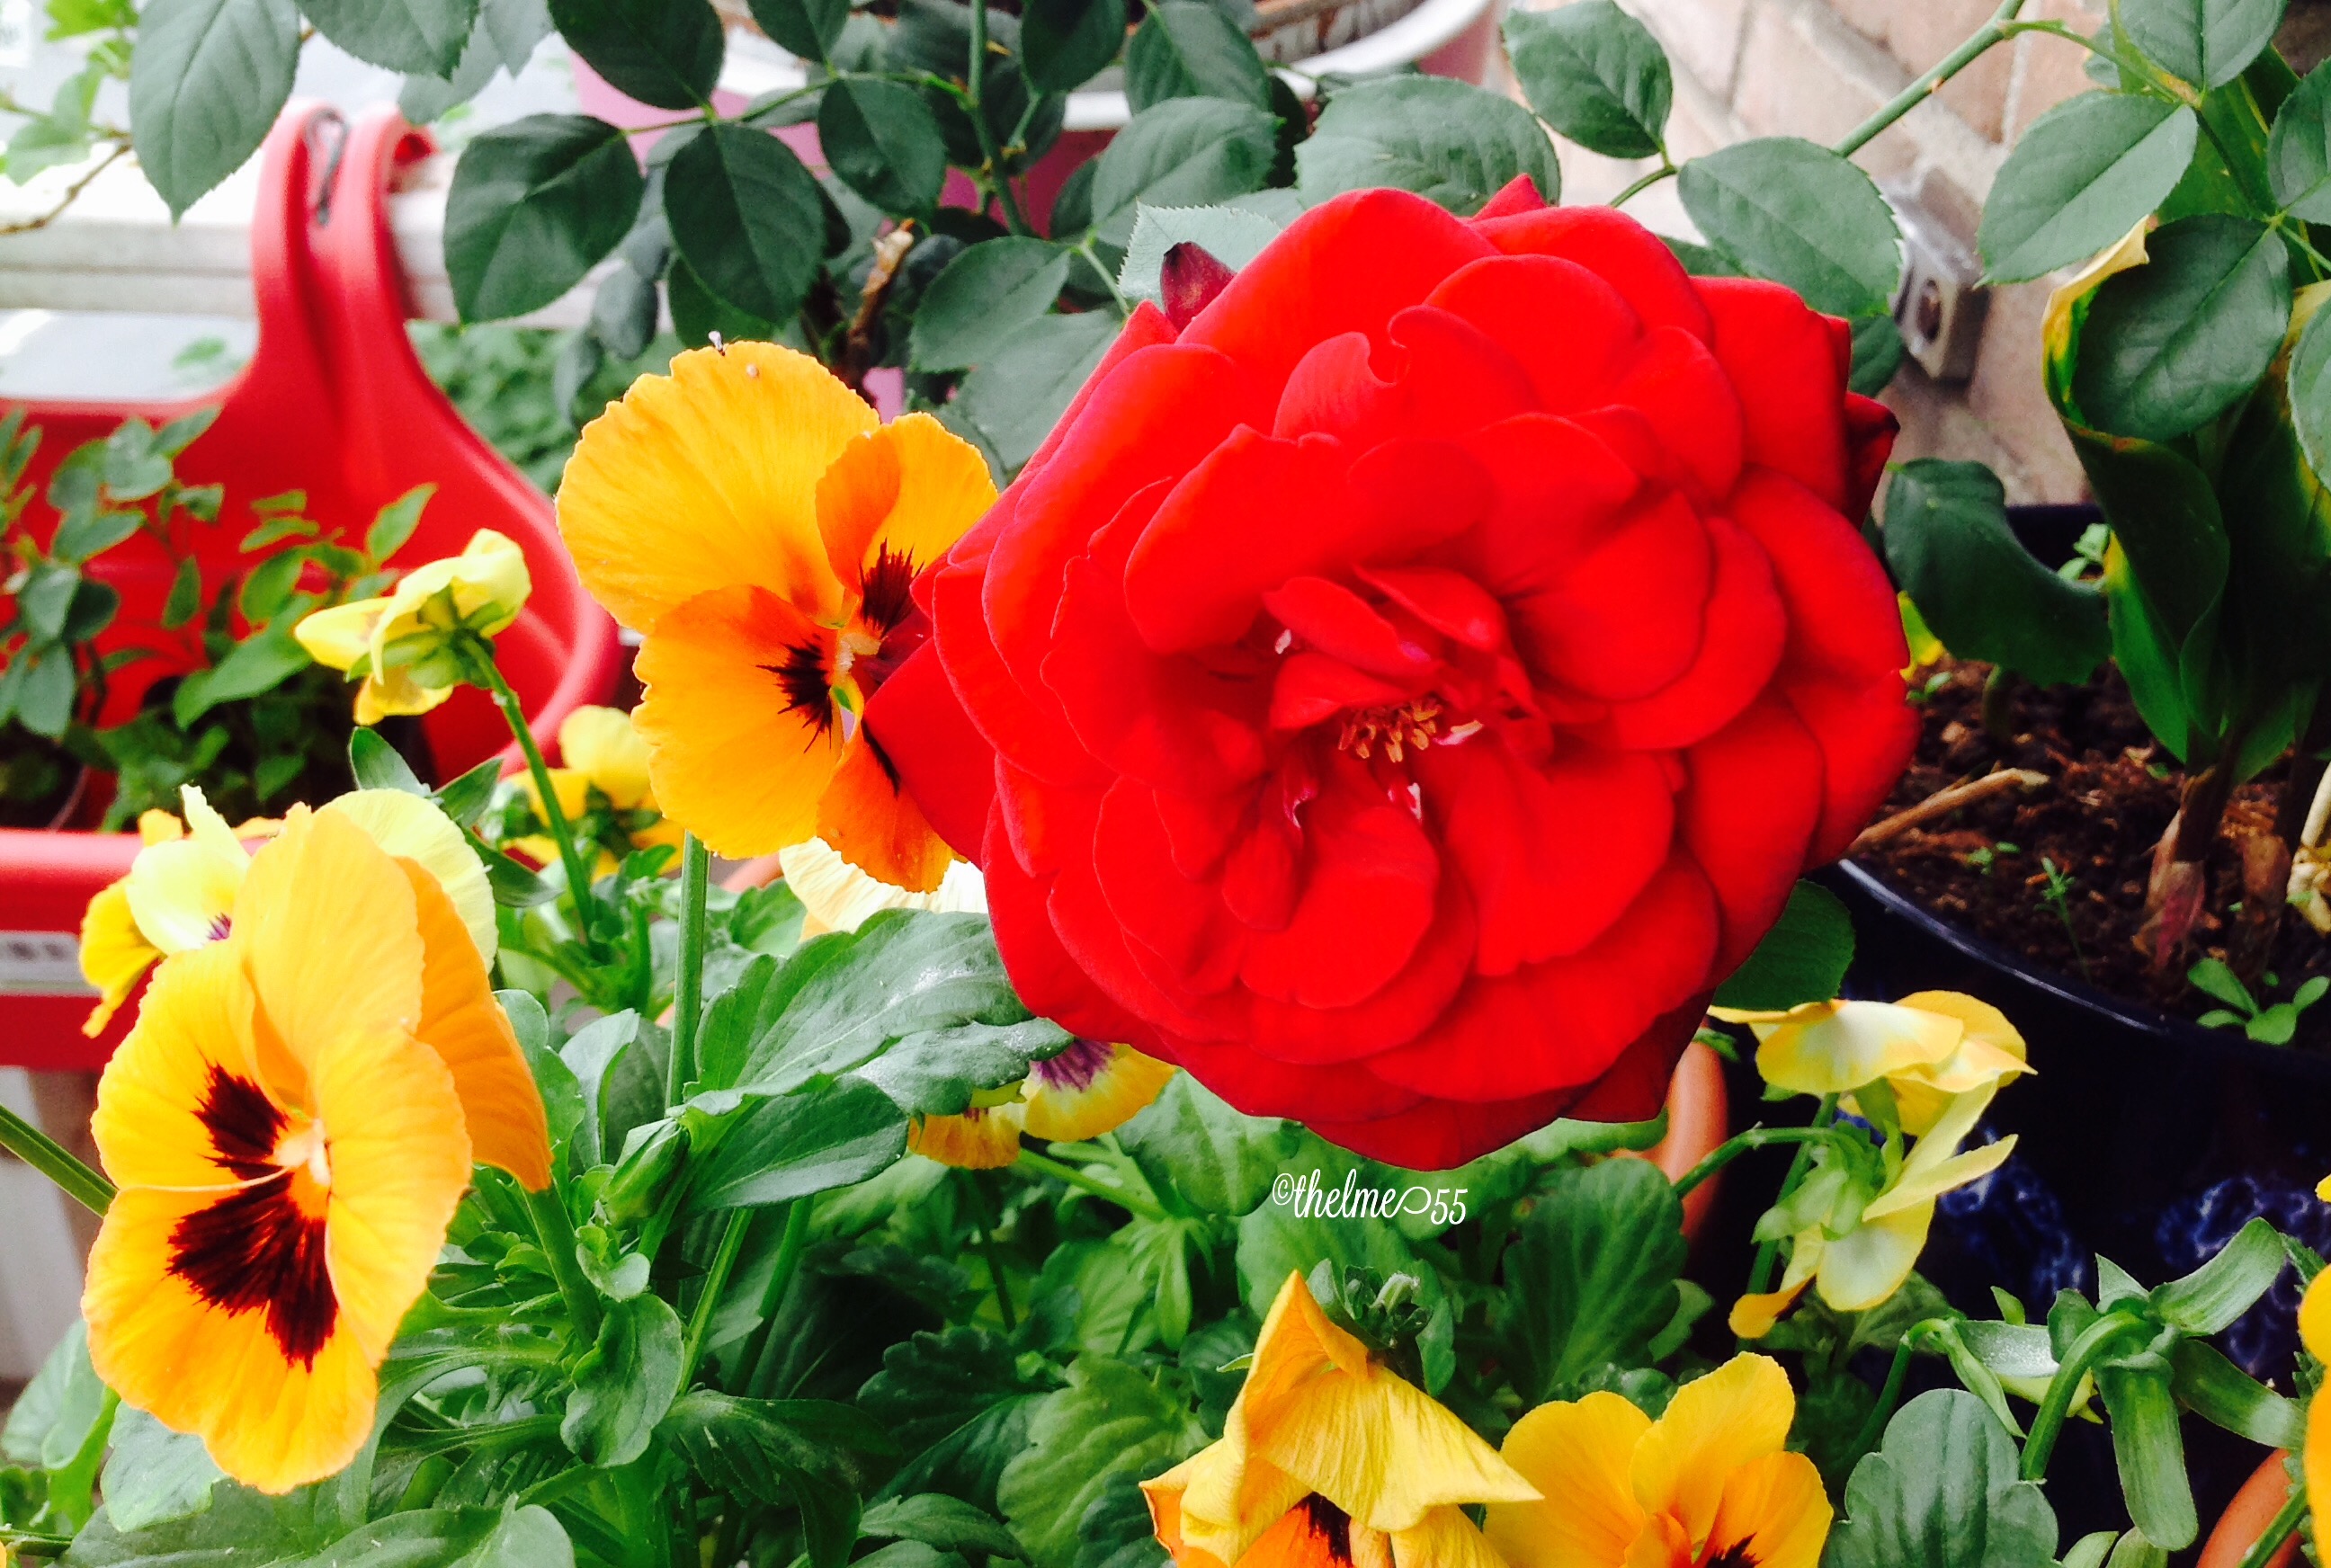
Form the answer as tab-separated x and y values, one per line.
1398	729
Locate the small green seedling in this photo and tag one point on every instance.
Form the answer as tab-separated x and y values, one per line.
2272	1024
1981	860
2060	896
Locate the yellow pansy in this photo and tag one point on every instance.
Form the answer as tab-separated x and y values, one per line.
1328	1458
601	749
753	518
1926	1048
181	890
290	1125
1860	1246
404	639
2315	1333
1710	1482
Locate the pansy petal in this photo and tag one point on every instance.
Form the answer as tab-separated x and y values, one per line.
114	953
1089	1090
1577	1455
177	1098
1774	1513
603	747
1445	1539
409	827
1715	1424
876	826
902	494
1836	1047
2315	1318
1753	1317
1868	1264
984	1138
839	897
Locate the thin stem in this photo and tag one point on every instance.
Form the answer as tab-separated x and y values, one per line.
761	1364
556	1231
1108	281
1931	81
2056	1404
724	1261
578	876
72	194
1129	1202
1666	168
54	1160
991	1251
1895	1376
695	871
1760	1275
974	84
2279	1530
1740	1144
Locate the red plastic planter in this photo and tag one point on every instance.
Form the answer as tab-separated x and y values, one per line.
334	402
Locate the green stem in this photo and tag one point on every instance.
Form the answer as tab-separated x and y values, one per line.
1129	1202
2056	1404
578	876
724	1261
1108	281
556	1231
991	1250
1666	168
761	1364
1740	1144
2279	1530
695	870
1932	80
55	1161
524	1430
974	84
1895	1376
1760	1275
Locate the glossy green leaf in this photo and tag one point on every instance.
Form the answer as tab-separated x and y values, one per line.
1802	958
1013	401
534	204
1878	354
1220	1159
618	1062
2298	152
809	28
1064	44
424	35
2208	1300
949	1524
796	1145
748	218
1190	48
696	313
1184	152
2207	42
1277	1240
259	663
394	523
2310	383
85	533
664	52
376	764
186	597
1110	1420
205	84
2171	343
1231	236
1785	209
1595	74
1942	1492
937	1071
624	1383
984	299
2223	1394
2086	172
881	139
155	1474
2149	1449
1987	597
1457	144
781	1450
1591	1277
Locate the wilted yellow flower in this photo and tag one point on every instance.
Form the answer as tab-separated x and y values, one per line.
180	892
290	1126
404	641
601	750
1329	1457
1927	1048
1710	1482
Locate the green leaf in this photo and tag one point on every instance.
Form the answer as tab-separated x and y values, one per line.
155	1475
1591	1279
2208	43
1802	958
423	35
796	1451
2298	152
1942	1492
1116	1531
44	694
1064	44
809	28
618	1062
2086	173
2173	343
85	533
2223	1394
1275	1241
1595	74
799	1144
949	1524
205	84
1012	401
1231	235
1877	355
883	143
2208	1300
1184	152
1450	141
747	219
664	52
394	523
1221	1161
466	798
260	663
91	610
984	300
624	1383
2309	380
1190	48
1987	597
52	1419
377	765
134	468
1110	1420
1785	209
270	585
2148	1450
534	205
696	313
937	1071
186	597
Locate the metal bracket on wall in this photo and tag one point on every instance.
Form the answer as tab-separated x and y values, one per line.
1941	303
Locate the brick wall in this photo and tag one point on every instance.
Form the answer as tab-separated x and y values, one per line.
1819	68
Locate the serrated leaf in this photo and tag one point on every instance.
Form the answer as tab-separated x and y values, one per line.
1190	48
949	1524
1184	152
1595	74
207	81
1783	208
883	142
1110	1420
1013	401
534	204
2173	343
1064	44
423	35
1591	1276
799	1144
2086	173
985	298
624	1383
1231	235
748	218
1943	1492
807	27
2208	43
663	53
1219	1159
793	1451
1450	141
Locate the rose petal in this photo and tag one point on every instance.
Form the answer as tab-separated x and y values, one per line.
1769	340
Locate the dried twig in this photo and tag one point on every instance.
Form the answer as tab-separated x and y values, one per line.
1944	802
72	194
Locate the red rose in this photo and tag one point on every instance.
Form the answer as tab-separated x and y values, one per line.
1400	693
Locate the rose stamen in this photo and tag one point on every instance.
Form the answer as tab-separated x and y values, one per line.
1409	726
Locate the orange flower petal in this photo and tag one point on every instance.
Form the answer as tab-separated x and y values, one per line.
893	502
981	1139
1577	1454
876	826
193	1030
